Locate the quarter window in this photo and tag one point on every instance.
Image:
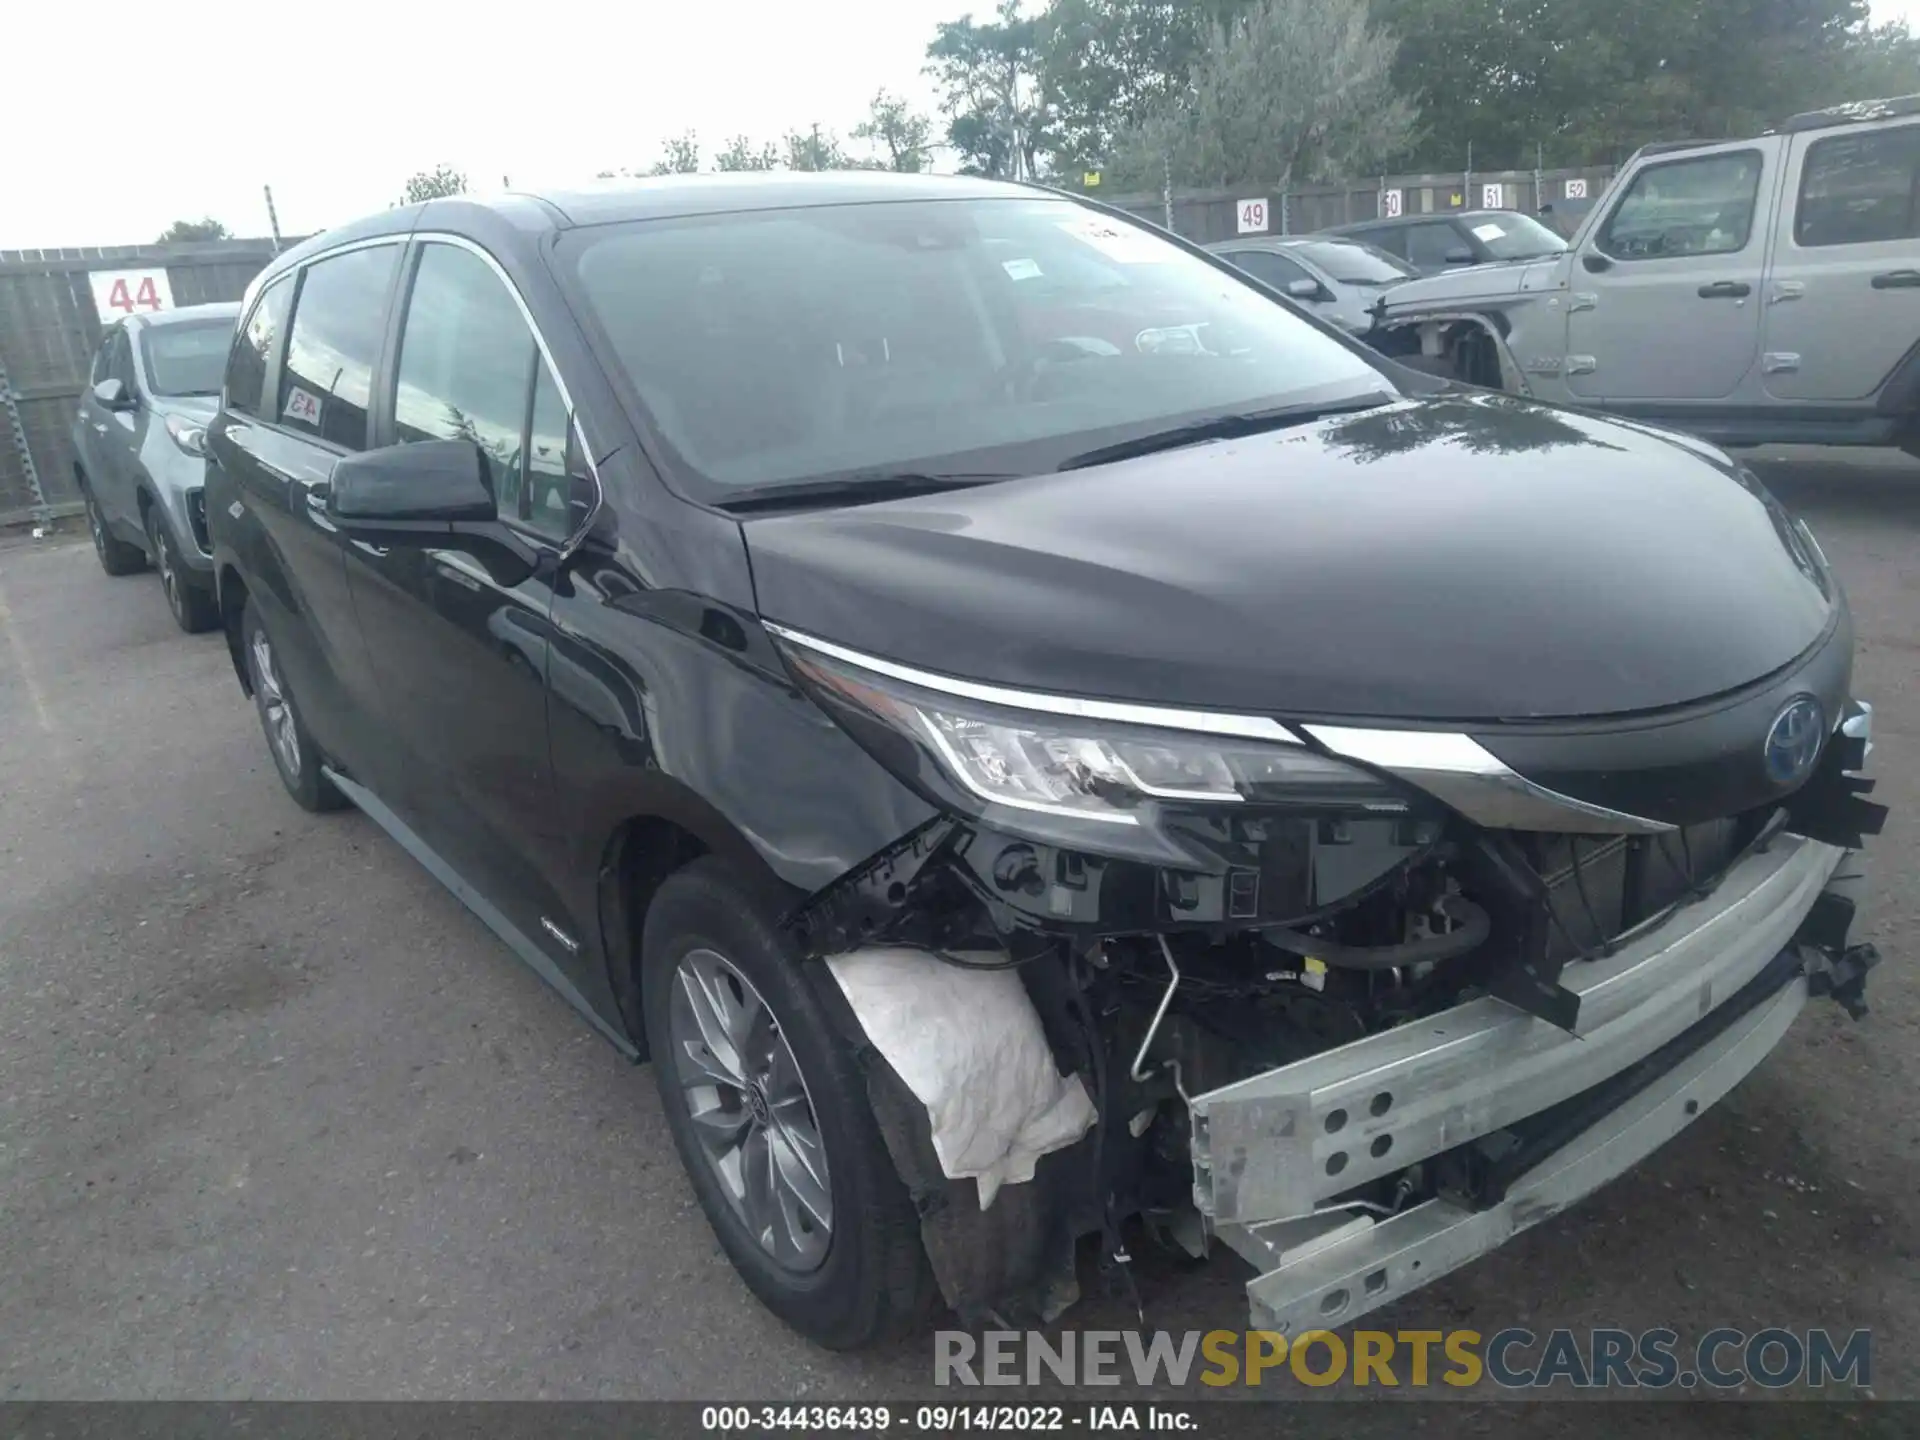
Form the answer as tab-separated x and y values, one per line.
1861	188
1702	206
549	491
252	347
326	382
466	362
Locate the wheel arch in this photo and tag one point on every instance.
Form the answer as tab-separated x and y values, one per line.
664	827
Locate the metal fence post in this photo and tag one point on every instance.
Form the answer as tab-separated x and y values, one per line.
17	433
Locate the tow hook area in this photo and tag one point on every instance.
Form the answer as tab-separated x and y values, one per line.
1844	980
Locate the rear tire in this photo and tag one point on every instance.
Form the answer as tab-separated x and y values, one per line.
294	754
709	943
194	609
117	557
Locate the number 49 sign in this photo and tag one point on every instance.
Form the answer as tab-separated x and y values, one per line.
1251	216
120	293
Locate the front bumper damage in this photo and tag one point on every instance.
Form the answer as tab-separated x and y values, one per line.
1694	1002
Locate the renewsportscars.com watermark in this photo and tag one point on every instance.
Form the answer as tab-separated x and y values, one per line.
1514	1359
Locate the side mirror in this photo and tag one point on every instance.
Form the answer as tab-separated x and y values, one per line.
432	484
112	395
1595	262
1304	289
1460	256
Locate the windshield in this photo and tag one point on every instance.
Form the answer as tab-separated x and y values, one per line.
1353	262
1509	235
984	338
187	358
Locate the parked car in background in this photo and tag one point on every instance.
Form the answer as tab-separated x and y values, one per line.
1026	732
1753	291
1441	241
141	462
1338	278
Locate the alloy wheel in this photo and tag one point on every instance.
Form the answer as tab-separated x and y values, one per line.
97	527
163	561
282	733
751	1111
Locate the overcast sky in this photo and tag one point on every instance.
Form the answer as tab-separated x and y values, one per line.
122	117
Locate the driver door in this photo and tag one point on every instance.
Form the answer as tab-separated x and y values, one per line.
1665	297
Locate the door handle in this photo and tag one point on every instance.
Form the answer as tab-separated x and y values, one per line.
1726	290
1897	280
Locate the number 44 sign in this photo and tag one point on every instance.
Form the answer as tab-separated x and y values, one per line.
120	293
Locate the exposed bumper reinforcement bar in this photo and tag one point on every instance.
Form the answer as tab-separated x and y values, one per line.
1327	1269
1279	1145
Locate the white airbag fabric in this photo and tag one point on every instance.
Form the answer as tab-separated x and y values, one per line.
968	1043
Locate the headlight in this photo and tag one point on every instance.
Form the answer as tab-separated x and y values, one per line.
1092	763
188	436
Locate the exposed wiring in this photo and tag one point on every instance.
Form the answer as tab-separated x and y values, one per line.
1473	928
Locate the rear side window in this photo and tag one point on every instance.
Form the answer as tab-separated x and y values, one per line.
253	344
1686	207
326	383
1390	238
1859	189
468	367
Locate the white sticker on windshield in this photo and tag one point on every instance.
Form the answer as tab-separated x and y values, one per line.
1021	269
303	407
1115	241
1488	232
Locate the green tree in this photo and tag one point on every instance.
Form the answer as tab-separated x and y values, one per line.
1286	91
207	229
678	156
433	184
1106	65
742	154
989	75
896	128
814	149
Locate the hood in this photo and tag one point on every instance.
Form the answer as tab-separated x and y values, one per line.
1466	557
200	409
1493	280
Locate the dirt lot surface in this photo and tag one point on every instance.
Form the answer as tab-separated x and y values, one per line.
278	1118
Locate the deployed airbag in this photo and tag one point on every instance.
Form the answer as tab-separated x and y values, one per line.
969	1045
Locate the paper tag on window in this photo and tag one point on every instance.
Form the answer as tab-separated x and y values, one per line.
1116	241
1021	269
1488	232
303	407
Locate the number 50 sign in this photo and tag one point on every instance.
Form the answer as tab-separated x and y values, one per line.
119	293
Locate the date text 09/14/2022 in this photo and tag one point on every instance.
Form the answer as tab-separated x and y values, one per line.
943	1419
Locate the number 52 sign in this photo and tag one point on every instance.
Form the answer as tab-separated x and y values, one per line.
119	293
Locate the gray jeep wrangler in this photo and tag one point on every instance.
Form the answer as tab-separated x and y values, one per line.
1753	292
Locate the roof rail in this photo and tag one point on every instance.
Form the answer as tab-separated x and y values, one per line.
1853	113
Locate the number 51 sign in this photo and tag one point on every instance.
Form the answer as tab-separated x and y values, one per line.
120	293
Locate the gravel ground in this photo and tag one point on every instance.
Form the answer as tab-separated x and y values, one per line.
279	1119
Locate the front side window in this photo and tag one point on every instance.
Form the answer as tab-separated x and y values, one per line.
186	358
1860	189
253	346
976	337
466	361
1702	206
1430	245
1268	267
326	383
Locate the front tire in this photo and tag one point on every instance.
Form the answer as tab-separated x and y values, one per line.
194	609
295	755
117	557
771	1118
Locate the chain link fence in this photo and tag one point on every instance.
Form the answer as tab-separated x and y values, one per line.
50	326
1205	216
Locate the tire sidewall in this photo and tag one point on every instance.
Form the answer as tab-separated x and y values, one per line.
835	1303
309	788
166	556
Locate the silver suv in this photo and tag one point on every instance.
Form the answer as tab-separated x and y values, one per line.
154	385
1753	292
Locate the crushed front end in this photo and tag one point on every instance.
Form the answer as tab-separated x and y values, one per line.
1357	1004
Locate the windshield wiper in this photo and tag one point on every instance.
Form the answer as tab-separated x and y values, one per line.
861	489
1222	427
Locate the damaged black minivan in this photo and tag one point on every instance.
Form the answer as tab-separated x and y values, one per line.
1033	736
